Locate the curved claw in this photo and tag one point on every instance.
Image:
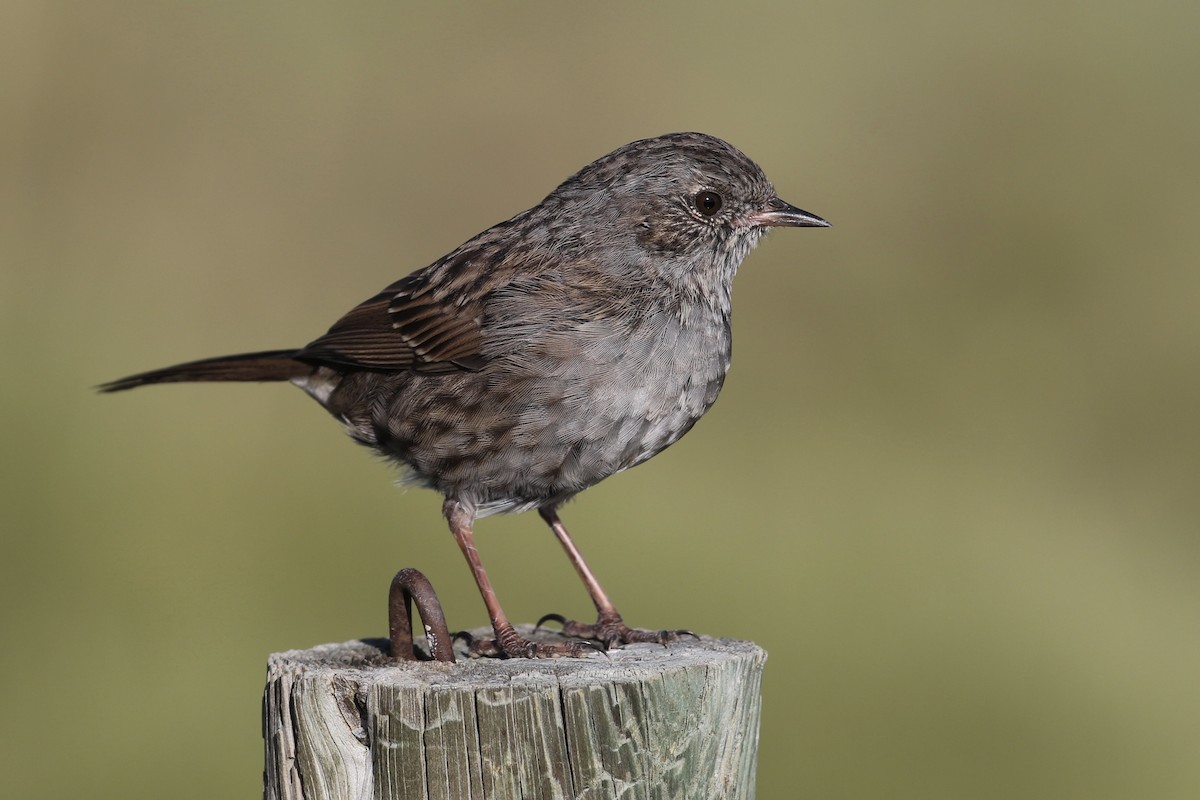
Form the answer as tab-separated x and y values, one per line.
596	646
559	618
663	637
478	648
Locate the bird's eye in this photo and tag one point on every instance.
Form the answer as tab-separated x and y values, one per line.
707	203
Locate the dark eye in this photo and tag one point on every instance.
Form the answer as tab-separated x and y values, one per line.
707	203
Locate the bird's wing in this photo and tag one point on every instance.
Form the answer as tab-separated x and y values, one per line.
422	323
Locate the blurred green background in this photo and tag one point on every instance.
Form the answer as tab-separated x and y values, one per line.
951	484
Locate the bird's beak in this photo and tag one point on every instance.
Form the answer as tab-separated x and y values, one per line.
777	213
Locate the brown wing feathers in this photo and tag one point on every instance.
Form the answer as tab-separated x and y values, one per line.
407	326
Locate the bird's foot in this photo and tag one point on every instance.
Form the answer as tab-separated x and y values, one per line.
611	631
510	644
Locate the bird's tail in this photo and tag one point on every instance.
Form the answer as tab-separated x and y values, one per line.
269	365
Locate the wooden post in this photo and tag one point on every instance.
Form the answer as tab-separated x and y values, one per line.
344	721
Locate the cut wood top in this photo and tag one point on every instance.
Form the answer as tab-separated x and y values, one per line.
368	658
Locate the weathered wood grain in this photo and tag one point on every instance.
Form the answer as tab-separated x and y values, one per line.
680	722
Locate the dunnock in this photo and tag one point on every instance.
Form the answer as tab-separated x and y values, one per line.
569	343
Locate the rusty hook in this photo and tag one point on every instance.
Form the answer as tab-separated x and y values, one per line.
411	585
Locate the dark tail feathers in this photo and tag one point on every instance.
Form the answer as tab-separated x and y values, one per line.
269	365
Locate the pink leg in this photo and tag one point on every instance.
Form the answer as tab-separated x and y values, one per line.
609	628
508	642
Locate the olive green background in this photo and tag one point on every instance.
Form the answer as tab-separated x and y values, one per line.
951	485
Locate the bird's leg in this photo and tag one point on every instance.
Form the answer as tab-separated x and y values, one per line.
609	628
508	643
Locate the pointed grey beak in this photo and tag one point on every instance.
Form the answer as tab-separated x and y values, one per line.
780	214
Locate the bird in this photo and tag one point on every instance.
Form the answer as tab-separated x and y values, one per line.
571	342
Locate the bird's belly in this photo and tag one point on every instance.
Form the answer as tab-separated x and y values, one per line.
528	431
618	406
